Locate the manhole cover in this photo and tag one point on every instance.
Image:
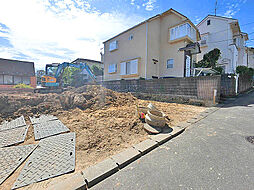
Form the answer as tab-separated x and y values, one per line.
250	139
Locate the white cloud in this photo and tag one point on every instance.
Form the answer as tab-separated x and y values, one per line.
233	8
64	31
149	5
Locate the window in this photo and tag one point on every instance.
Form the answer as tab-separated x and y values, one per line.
131	37
17	80
112	68
208	22
8	79
1	79
129	67
26	80
170	63
113	45
181	31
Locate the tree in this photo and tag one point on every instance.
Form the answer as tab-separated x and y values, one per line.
243	70
69	75
210	59
97	71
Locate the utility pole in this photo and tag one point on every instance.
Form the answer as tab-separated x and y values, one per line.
215	7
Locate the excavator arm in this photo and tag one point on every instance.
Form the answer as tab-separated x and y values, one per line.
80	66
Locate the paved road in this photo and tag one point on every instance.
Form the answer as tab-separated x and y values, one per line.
212	154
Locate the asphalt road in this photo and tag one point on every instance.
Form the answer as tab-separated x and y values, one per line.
211	154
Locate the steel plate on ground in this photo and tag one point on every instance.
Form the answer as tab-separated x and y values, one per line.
11	158
42	119
54	156
49	128
19	122
13	136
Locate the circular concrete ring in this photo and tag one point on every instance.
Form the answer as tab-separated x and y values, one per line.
156	123
156	115
152	107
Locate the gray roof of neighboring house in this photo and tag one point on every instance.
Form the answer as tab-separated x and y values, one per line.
15	67
84	60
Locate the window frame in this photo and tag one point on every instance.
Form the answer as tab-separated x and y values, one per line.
113	45
168	63
112	70
130	37
129	67
182	30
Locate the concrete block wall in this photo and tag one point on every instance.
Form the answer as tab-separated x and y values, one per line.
188	86
228	84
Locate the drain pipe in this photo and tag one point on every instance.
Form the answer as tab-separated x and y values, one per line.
146	59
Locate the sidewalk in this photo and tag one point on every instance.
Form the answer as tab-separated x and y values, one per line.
211	154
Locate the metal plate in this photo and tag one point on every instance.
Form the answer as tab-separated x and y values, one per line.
49	128
13	136
19	122
53	157
11	158
42	119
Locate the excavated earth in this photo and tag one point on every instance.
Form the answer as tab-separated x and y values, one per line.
105	121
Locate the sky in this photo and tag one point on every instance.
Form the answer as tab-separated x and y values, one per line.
54	31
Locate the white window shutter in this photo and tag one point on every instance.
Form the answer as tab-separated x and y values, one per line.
123	68
134	66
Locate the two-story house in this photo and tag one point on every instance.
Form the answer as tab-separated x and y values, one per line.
225	34
162	46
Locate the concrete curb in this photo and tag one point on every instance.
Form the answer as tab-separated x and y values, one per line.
96	173
124	158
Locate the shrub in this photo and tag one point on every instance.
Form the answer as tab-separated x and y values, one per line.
242	69
21	85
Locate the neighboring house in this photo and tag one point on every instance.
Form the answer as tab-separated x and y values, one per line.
225	34
250	58
13	72
90	63
162	46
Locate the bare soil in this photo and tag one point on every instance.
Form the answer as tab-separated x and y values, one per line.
105	122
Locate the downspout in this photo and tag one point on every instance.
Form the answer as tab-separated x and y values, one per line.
146	59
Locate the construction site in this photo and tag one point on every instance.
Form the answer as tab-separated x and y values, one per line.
105	122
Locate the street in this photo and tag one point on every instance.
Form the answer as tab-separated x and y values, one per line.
211	154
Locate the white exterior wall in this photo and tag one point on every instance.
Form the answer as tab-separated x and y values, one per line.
220	35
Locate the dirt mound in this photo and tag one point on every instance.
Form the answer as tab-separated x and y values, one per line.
87	97
93	97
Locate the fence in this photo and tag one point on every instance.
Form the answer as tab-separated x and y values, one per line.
194	87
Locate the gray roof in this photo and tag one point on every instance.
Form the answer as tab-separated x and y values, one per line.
15	67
